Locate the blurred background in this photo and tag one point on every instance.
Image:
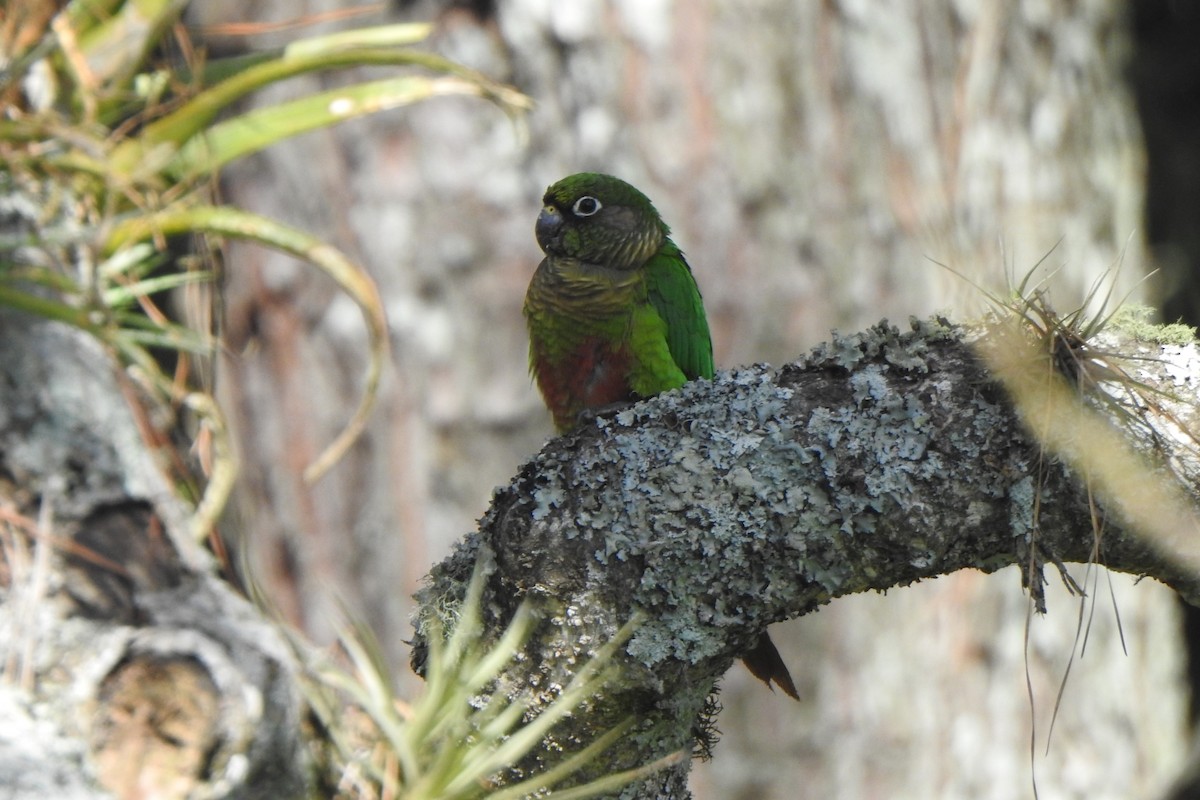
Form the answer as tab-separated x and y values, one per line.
815	160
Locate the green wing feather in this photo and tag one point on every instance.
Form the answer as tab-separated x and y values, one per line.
672	291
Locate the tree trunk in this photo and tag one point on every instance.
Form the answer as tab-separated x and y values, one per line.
131	668
811	158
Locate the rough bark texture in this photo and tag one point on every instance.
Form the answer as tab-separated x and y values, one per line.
879	460
131	668
810	157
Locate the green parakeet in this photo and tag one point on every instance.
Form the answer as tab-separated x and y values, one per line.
615	315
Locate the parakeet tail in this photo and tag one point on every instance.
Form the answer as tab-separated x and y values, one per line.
765	663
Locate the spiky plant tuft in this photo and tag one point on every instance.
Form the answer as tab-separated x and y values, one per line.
460	738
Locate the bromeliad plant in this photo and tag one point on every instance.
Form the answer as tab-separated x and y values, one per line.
109	151
461	737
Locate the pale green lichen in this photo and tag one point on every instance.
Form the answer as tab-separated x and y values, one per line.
1021	498
763	494
1134	320
725	484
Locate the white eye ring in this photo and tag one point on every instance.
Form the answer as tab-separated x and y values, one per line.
586	206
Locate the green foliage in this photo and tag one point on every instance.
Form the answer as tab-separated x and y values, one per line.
457	740
109	150
1134	320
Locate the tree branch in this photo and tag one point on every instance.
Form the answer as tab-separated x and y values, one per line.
877	460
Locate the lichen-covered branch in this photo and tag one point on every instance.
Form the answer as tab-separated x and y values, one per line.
877	460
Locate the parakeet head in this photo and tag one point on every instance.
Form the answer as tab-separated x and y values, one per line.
601	220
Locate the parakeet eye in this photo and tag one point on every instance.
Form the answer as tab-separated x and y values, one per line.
586	206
